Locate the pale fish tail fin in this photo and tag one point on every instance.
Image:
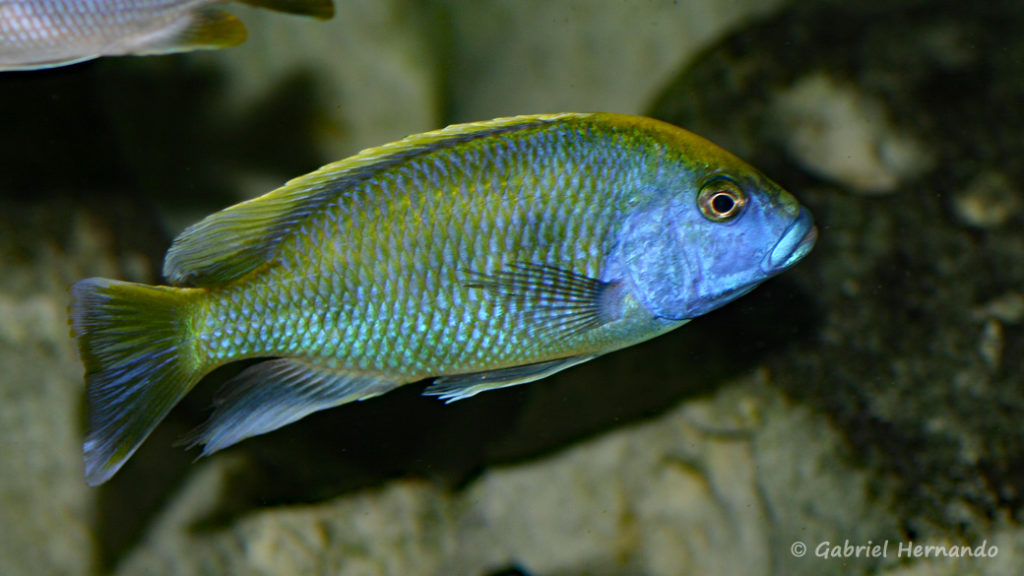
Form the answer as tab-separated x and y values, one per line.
134	342
323	9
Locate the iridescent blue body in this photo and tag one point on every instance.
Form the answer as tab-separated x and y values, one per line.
483	255
47	33
392	264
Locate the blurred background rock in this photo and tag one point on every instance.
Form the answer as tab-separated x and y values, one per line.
872	393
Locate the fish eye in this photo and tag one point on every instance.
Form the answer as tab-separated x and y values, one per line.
721	200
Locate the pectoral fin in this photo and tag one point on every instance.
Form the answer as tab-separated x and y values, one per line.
550	301
461	386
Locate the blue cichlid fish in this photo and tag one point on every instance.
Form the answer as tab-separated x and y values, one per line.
38	34
482	255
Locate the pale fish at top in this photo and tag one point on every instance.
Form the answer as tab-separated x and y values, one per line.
482	255
38	34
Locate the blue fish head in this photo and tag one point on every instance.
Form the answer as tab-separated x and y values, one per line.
688	253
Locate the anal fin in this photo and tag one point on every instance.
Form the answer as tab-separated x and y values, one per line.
275	393
462	386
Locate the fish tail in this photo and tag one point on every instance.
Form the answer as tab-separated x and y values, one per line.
134	340
323	9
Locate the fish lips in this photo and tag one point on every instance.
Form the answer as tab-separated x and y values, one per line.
795	243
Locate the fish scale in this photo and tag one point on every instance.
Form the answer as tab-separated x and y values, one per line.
482	255
467	228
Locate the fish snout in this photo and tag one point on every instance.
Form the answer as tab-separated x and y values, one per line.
795	243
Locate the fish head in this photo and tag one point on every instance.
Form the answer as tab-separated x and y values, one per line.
702	242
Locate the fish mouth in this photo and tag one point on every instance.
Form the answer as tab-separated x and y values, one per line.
796	242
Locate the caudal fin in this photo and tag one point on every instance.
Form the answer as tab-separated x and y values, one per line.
130	337
323	9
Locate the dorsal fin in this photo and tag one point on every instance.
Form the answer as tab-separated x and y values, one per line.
237	240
